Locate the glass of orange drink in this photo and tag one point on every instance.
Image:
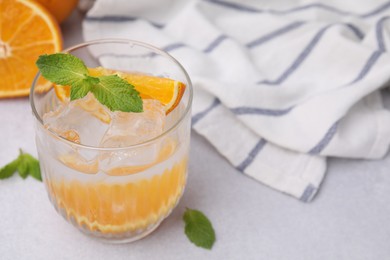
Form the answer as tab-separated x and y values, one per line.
116	175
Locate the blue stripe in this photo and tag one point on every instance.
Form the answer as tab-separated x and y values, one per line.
309	193
215	43
113	19
355	30
325	140
310	6
252	155
173	46
260	111
367	66
299	60
118	19
379	33
236	6
200	115
244	8
274	34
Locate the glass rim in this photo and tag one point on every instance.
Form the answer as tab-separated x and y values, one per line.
120	41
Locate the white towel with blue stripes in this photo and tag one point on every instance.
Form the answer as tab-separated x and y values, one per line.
279	85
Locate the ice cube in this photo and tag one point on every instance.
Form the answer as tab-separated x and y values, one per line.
83	121
132	128
128	129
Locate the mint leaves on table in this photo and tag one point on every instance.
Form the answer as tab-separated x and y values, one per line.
68	70
198	228
25	165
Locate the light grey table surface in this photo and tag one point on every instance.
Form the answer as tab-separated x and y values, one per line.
349	218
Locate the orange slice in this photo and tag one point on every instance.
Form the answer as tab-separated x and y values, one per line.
62	92
71	135
78	163
168	91
27	30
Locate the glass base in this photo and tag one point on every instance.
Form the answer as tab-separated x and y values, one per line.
123	240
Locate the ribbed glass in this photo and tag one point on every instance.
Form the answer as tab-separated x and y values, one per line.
95	188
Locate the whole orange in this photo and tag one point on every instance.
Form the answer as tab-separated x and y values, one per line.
60	9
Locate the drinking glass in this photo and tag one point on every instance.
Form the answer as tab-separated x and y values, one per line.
117	194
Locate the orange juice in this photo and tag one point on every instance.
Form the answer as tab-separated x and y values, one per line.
122	206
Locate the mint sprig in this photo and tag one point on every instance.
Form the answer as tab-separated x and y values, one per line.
26	165
68	70
198	228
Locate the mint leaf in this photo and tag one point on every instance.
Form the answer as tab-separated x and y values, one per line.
79	92
32	166
68	70
34	169
198	228
25	164
63	69
9	169
117	94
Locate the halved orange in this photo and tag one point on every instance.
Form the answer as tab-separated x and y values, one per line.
27	30
60	9
168	91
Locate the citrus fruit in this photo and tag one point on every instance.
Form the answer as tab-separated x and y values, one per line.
60	9
168	91
78	163
71	135
27	31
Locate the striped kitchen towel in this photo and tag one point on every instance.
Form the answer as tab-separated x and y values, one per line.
279	85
